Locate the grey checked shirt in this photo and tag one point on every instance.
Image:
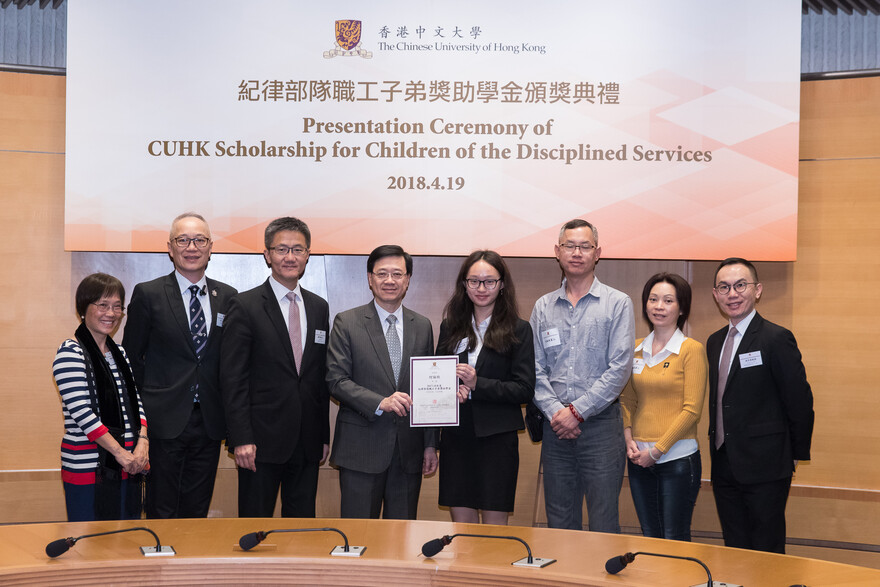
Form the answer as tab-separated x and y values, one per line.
583	353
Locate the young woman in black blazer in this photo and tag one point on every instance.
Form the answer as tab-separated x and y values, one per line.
479	459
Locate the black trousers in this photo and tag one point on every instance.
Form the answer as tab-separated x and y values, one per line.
182	472
752	514
297	479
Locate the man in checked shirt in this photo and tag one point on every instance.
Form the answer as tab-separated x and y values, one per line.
584	339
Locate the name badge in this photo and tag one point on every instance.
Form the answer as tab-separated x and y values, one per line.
462	345
752	359
550	337
320	336
638	366
220	319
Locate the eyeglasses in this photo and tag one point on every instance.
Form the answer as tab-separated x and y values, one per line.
282	250
475	283
183	241
105	308
383	275
738	287
583	248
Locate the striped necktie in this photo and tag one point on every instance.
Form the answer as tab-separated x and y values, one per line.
197	326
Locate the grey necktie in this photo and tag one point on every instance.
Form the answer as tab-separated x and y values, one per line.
723	371
393	341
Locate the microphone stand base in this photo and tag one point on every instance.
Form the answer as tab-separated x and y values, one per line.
162	551
718	584
354	551
537	562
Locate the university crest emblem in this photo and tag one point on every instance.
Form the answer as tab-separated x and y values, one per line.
348	33
348	40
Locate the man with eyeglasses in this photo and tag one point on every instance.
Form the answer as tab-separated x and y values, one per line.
172	338
381	459
584	336
760	413
273	362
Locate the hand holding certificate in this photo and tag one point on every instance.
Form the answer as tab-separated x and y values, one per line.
434	391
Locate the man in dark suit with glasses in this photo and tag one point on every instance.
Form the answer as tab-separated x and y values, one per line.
760	413
273	363
172	338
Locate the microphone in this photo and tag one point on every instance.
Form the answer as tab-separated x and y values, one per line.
248	541
204	290
618	563
58	547
432	547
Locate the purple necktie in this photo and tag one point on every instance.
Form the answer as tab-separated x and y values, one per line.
295	330
723	371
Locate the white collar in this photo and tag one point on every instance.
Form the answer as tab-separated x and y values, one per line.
482	326
280	290
383	313
673	345
743	324
184	284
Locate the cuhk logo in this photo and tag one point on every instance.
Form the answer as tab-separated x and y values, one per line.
348	41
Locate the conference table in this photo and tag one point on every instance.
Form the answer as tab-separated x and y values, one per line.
208	553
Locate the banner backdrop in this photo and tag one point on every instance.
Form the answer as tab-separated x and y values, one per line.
441	126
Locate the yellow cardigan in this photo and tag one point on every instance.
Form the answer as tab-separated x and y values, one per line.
664	404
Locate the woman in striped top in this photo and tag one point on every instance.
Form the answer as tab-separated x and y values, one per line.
661	405
105	447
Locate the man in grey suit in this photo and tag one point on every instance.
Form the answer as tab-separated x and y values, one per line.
379	456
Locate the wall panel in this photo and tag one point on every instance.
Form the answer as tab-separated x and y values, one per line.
839	120
835	317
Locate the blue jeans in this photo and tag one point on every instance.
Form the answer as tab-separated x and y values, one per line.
589	466
80	502
665	496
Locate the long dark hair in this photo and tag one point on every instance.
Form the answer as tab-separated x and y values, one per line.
501	334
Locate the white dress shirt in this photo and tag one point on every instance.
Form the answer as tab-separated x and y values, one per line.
205	300
737	338
281	292
383	321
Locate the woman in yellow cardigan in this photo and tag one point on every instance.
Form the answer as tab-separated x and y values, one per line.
662	404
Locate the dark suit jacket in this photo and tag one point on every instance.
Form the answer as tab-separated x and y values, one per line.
267	403
768	408
504	382
164	361
359	374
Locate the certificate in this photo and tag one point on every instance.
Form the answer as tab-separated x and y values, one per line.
433	386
